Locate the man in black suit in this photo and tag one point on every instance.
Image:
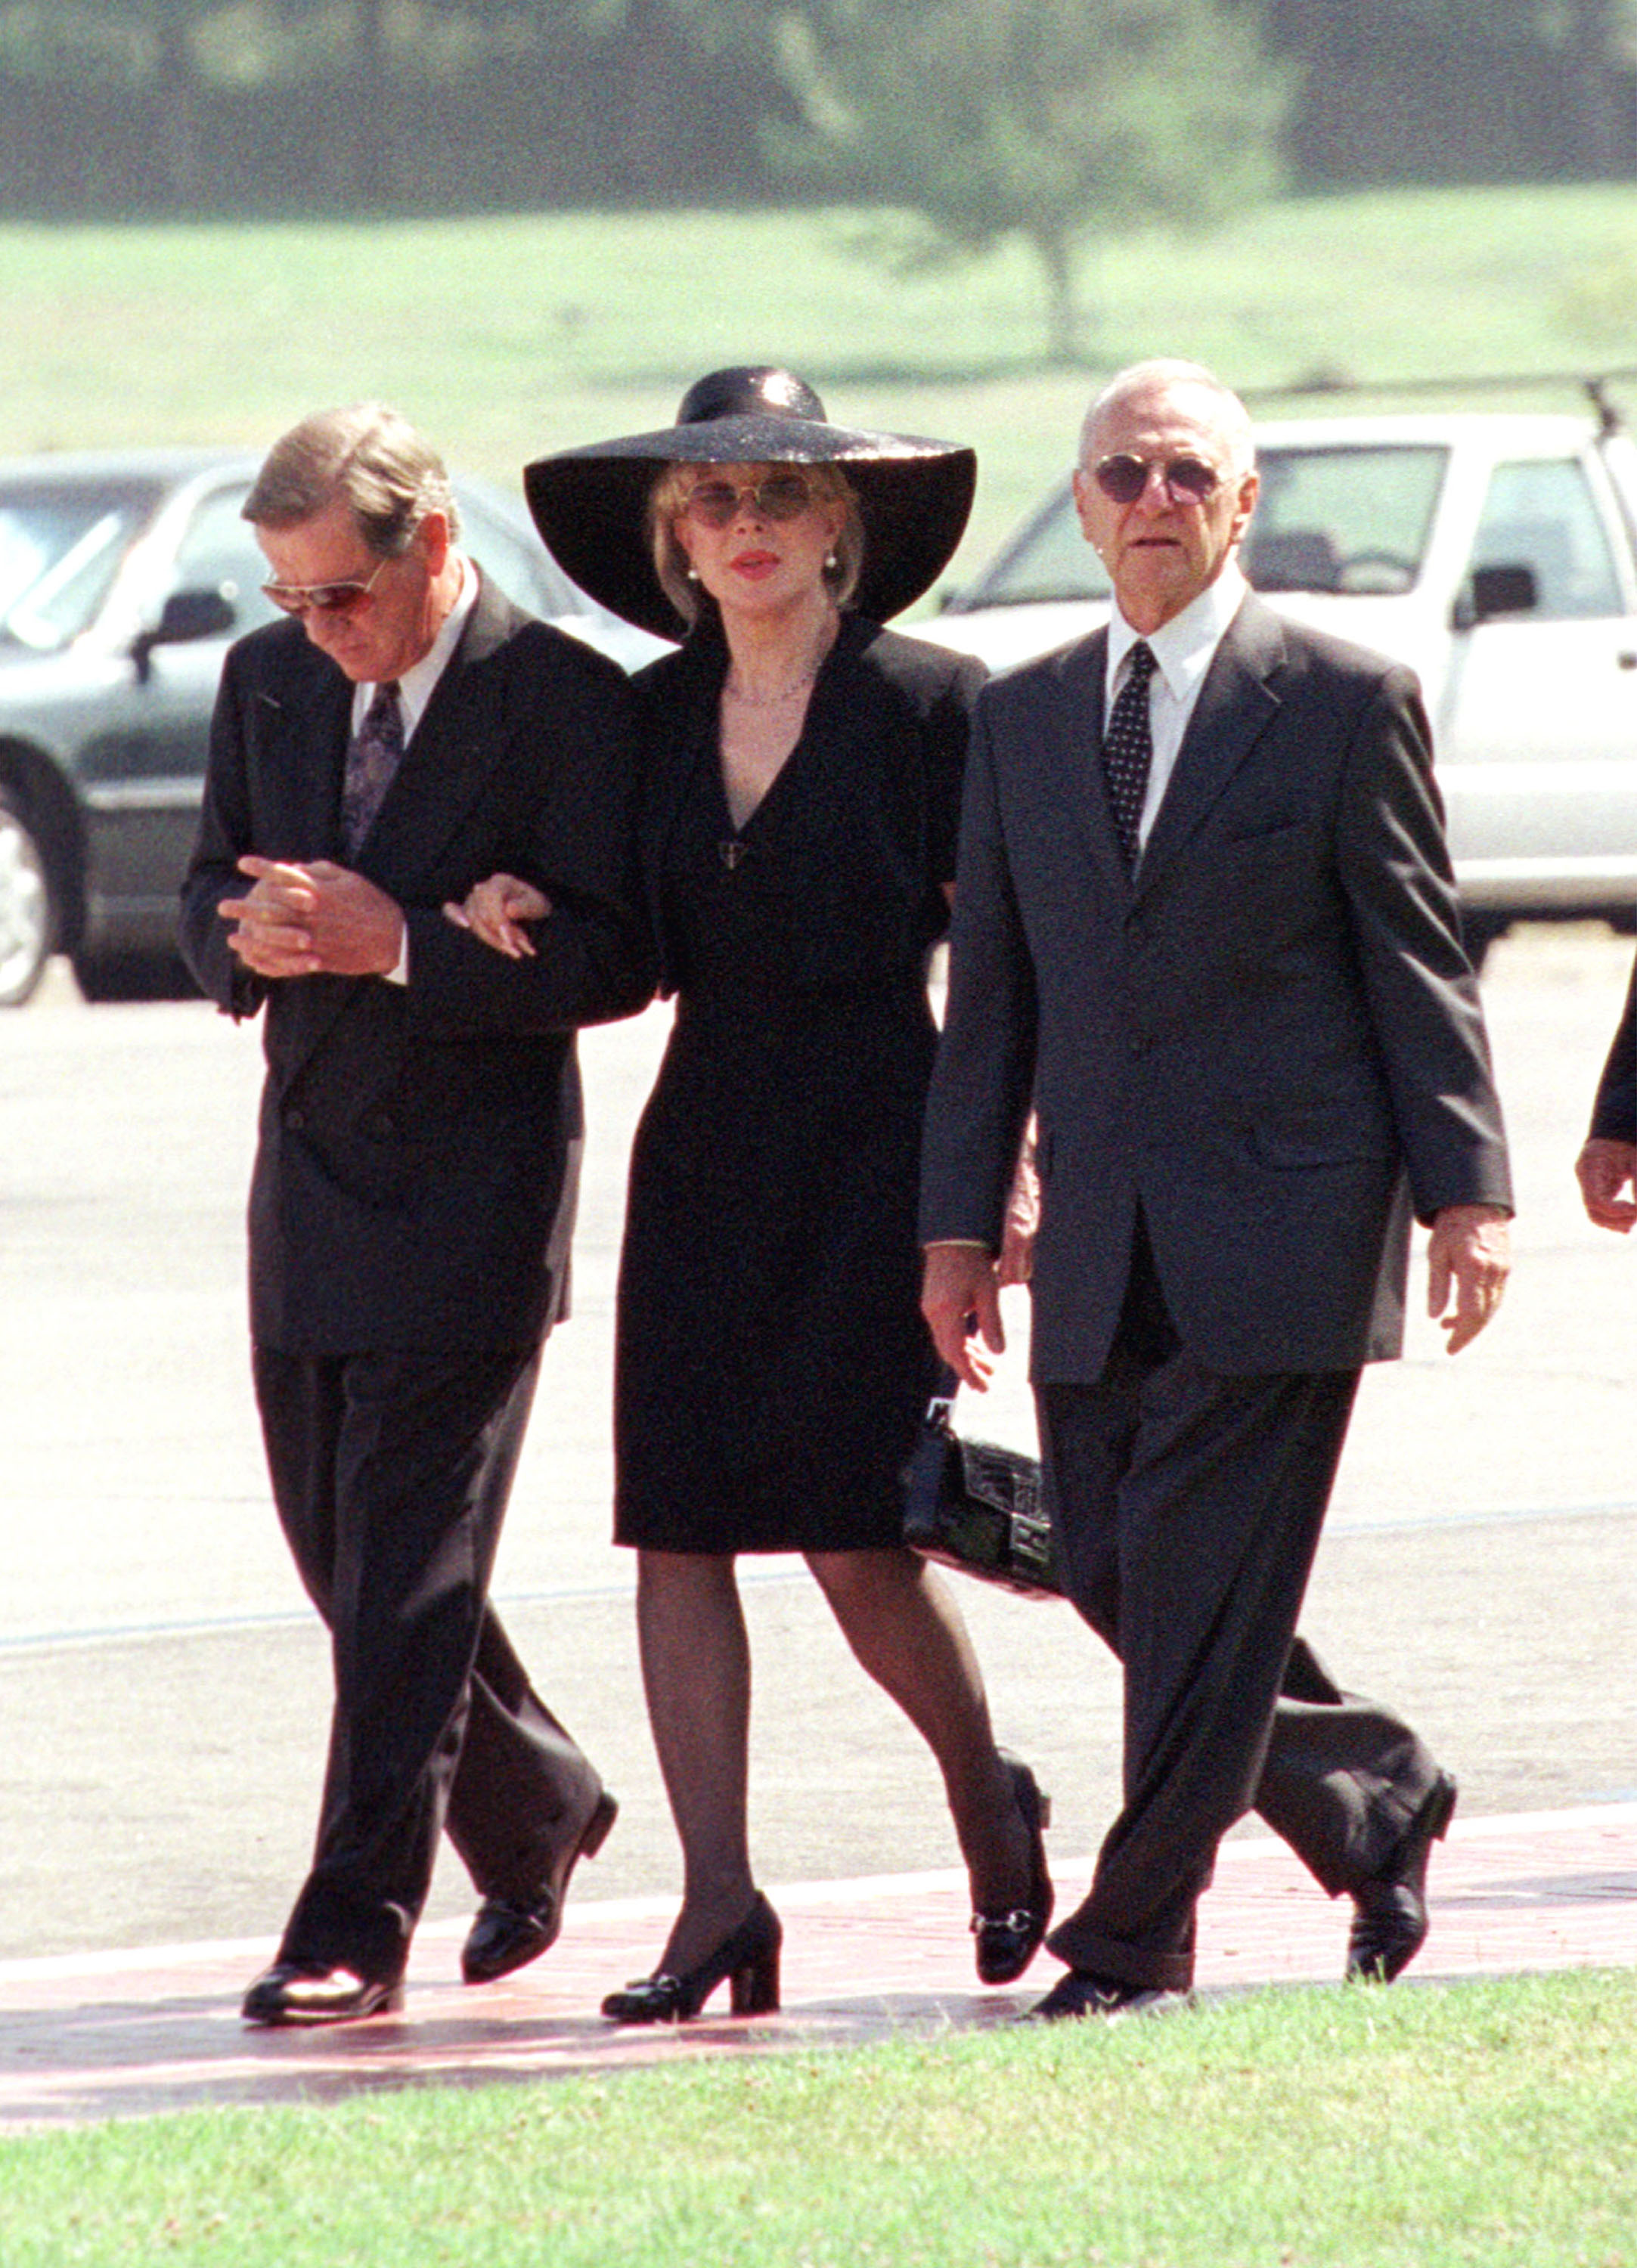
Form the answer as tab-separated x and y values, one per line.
1214	942
406	734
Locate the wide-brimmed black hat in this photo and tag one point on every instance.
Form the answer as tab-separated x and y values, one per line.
590	504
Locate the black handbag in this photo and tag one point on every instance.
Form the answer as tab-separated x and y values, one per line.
977	1506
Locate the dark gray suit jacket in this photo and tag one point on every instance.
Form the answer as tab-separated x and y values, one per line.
413	1186
1269	1040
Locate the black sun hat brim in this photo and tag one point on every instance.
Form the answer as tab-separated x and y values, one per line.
590	505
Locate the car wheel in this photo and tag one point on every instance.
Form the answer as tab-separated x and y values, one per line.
28	917
134	977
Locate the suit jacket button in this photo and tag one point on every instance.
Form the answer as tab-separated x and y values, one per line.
295	1119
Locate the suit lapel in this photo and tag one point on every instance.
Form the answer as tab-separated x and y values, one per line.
1073	753
1236	705
448	759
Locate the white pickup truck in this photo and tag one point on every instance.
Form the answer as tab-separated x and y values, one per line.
1494	553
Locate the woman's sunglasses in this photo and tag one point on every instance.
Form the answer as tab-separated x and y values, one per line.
781	496
1185	480
320	598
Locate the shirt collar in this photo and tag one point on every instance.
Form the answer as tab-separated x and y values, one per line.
419	681
1184	647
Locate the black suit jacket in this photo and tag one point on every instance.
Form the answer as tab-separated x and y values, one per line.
414	1180
1270	1039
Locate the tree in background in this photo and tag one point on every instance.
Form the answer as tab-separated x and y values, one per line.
1047	119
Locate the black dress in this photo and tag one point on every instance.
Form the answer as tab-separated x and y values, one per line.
771	1362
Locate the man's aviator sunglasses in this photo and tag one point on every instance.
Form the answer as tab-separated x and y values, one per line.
780	496
321	597
1185	480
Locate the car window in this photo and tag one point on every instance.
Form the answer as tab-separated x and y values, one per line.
60	549
1343	519
1050	559
1540	513
218	552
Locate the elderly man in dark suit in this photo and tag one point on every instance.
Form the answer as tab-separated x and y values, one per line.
1204	925
407	733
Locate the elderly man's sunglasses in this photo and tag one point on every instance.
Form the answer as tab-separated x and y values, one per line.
781	496
1185	480
321	597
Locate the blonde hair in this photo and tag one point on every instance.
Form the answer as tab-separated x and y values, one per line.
670	493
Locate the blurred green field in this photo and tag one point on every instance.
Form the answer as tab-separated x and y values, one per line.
508	336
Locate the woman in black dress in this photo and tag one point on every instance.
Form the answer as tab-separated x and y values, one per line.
801	773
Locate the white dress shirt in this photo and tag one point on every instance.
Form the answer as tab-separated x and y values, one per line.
1184	648
415	688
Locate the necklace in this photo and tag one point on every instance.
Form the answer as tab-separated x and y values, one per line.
737	691
750	700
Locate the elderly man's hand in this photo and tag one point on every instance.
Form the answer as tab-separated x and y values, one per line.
309	920
961	1301
1470	1255
1604	1168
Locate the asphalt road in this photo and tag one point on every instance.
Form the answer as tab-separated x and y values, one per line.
164	1688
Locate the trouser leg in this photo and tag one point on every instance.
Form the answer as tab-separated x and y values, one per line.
1344	1775
1189	1507
391	1474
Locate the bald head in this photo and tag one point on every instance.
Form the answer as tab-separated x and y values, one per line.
1197	388
1165	485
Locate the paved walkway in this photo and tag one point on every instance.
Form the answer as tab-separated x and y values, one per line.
121	2034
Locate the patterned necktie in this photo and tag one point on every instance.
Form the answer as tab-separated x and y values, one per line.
373	754
1128	750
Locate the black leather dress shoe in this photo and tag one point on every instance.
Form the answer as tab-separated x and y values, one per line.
1081	1993
1389	1910
293	1992
509	1932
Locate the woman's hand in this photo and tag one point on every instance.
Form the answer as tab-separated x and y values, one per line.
495	910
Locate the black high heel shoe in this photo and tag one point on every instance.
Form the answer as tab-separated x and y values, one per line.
748	1957
1007	1942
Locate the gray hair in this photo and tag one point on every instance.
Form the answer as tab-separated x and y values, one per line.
370	455
1233	418
670	492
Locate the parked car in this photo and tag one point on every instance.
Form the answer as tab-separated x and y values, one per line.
1495	554
123	577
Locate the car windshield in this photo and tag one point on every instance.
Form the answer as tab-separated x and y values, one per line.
60	544
1328	519
1345	519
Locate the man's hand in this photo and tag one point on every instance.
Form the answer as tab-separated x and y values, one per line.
1471	1254
961	1301
1604	1168
304	921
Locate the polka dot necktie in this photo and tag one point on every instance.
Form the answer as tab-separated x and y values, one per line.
373	754
1128	750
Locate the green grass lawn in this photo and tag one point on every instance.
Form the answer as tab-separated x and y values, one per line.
1491	2125
508	336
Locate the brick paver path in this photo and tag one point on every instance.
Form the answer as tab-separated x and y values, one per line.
121	2033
